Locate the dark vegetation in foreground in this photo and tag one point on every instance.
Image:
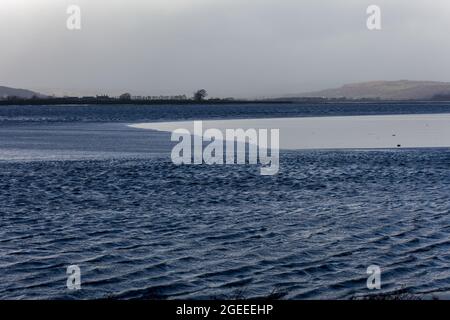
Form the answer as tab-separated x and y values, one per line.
277	294
400	294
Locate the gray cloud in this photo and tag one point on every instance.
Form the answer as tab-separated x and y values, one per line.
232	48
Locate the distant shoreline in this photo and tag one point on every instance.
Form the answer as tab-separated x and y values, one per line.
95	101
81	101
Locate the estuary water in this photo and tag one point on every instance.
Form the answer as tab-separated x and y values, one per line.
81	187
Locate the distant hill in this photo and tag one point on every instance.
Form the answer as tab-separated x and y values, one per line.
386	90
6	92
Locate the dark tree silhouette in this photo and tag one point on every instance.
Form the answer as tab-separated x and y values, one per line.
199	95
125	96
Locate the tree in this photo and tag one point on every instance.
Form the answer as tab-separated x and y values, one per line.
200	95
125	96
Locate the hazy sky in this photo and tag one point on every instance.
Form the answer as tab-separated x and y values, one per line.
241	48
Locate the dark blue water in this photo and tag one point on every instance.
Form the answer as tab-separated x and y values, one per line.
136	113
140	227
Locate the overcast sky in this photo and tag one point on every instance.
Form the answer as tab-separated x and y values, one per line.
243	48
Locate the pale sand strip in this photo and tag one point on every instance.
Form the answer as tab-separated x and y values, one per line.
391	131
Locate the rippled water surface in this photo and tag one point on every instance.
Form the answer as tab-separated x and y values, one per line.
107	198
148	229
143	113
